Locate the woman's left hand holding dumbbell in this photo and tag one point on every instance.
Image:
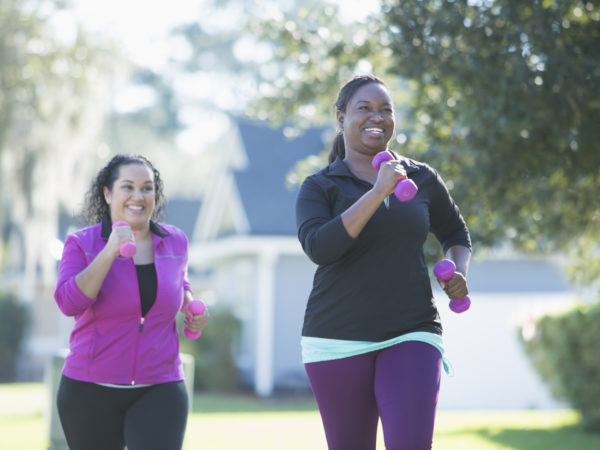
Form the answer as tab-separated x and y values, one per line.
455	287
196	318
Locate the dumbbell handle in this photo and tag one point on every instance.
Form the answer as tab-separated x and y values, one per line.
445	270
128	248
406	188
195	307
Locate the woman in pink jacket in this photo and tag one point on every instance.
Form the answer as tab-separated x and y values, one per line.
122	382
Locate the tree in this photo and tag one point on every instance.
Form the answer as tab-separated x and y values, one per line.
52	99
504	102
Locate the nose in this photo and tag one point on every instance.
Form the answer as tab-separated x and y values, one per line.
137	193
378	116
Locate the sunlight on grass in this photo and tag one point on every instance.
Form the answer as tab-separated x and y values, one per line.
22	406
234	422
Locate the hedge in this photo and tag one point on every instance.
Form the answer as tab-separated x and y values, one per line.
564	350
215	368
13	322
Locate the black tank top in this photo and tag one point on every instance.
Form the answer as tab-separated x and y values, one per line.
146	274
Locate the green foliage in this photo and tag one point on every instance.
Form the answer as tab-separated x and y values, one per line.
50	81
504	101
215	368
13	322
564	351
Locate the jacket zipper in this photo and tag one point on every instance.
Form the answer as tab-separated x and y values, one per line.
135	355
141	327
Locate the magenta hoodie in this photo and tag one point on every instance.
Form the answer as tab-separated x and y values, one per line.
110	343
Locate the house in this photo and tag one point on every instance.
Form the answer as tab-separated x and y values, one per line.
245	245
245	242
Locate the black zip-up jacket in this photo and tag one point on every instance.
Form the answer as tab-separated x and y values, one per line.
376	286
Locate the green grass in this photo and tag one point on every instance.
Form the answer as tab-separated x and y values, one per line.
293	423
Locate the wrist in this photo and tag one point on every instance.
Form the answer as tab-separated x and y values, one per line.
377	195
111	251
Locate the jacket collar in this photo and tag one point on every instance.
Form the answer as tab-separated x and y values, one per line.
339	167
107	228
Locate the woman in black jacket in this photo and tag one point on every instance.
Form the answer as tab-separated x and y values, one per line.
371	340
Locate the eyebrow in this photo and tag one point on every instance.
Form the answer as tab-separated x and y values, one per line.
367	101
131	181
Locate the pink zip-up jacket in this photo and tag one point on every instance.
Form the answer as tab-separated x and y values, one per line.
110	342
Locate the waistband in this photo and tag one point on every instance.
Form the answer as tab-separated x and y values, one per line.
316	349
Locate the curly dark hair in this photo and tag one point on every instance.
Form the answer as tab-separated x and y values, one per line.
95	207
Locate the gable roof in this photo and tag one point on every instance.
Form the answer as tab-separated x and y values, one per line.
183	213
269	203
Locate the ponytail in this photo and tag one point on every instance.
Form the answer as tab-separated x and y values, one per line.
337	148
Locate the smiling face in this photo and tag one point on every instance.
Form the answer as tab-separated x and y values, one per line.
132	196
368	121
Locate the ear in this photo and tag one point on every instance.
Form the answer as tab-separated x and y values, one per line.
107	194
340	120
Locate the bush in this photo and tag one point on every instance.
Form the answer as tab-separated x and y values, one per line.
564	351
215	368
13	320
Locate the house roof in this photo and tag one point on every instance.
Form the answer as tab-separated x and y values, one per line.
269	203
183	213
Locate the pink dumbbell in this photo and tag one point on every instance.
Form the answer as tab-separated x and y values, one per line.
128	248
444	270
406	189
195	307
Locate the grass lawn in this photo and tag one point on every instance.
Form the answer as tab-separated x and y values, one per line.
244	422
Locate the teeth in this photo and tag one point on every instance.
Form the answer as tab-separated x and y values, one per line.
375	130
136	208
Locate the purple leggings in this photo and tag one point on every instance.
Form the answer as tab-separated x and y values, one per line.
398	384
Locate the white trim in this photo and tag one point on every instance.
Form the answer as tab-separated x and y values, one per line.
222	195
265	313
203	253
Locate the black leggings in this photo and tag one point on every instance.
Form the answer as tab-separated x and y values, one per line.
96	417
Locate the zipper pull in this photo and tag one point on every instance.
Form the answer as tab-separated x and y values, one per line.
141	324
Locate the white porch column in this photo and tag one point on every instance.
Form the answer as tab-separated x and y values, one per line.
265	314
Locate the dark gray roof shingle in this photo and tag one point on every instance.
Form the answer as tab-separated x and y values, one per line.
269	204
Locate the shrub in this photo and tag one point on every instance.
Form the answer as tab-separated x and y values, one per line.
215	368
13	321
564	351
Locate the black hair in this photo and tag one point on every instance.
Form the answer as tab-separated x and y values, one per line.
346	93
95	207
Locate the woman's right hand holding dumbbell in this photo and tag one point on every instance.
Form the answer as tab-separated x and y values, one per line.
122	240
390	172
404	189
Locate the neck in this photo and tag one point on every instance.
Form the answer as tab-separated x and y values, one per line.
360	165
142	231
359	160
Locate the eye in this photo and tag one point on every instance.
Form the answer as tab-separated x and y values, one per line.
363	108
148	188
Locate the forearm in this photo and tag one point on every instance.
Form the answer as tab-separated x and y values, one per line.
461	256
356	217
90	279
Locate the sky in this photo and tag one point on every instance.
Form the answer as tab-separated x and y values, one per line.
142	29
143	26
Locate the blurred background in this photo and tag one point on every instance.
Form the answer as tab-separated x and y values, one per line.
232	100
